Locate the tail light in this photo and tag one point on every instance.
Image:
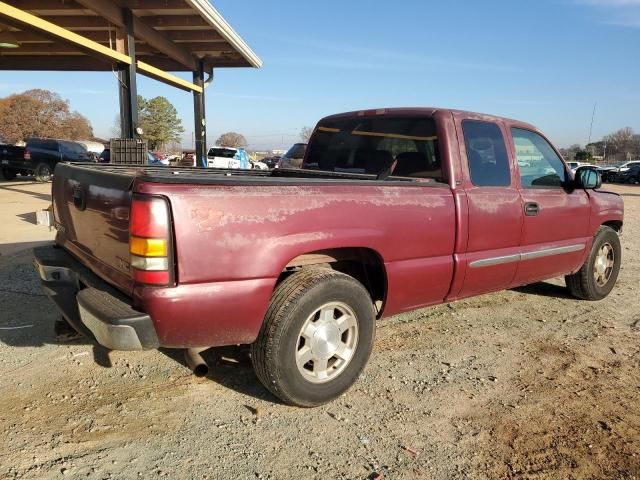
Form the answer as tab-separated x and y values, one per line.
150	241
27	154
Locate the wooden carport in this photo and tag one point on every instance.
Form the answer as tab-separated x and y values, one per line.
149	37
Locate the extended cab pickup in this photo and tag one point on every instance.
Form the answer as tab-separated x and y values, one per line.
392	210
39	157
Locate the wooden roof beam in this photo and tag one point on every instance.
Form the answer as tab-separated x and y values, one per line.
142	30
102	36
58	48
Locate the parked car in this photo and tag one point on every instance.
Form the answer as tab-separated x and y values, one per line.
153	159
294	156
105	156
607	172
188	158
631	175
575	165
391	210
271	162
617	175
222	157
259	165
39	157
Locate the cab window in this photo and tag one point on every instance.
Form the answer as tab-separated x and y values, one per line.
377	145
486	154
539	165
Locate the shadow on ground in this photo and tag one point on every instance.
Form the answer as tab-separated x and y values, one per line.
544	289
15	187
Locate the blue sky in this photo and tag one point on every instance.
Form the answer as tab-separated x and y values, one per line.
542	61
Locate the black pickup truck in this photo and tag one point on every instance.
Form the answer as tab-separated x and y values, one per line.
39	157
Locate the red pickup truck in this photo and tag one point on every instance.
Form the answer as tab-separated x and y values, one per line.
392	210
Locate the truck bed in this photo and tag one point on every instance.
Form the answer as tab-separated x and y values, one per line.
235	232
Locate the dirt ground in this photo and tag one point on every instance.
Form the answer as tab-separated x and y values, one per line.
528	384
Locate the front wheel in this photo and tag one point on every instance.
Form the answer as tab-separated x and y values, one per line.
316	338
598	275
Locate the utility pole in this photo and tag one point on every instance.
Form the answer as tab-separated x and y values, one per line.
591	126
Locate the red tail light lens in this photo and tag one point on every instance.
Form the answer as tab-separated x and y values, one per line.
149	217
150	241
27	155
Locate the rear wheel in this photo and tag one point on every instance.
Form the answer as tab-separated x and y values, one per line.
42	172
598	275
316	338
8	174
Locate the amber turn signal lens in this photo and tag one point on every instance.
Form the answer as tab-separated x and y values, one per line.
148	247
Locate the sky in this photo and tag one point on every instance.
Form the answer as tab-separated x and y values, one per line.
546	62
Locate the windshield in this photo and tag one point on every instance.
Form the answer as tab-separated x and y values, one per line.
222	152
403	146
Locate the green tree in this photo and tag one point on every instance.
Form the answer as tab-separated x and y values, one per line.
159	121
583	155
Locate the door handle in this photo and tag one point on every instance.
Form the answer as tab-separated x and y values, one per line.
531	209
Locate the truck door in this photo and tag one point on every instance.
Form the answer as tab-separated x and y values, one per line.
555	235
495	213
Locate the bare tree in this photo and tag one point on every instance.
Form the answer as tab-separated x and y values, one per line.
305	134
231	139
570	153
621	143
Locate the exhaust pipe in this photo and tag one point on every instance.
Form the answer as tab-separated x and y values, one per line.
195	361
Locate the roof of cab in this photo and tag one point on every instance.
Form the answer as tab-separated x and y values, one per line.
428	112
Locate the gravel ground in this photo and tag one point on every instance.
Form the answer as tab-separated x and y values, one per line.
527	383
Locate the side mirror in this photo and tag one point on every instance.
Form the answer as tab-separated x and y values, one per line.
588	178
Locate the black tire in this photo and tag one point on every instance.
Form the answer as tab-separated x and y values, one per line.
8	174
293	304
43	172
583	283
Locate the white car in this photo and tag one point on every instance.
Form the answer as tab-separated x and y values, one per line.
222	157
575	165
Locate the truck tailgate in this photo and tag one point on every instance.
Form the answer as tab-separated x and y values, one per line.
91	212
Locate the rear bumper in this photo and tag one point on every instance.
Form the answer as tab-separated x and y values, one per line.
90	305
17	164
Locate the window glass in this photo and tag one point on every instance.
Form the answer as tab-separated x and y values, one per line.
42	144
222	152
296	151
538	163
402	147
486	154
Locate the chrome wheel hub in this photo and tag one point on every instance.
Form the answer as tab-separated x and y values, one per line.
327	342
603	265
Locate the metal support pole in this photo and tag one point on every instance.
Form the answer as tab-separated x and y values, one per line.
200	123
127	82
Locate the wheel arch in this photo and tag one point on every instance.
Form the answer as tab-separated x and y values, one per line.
362	263
614	224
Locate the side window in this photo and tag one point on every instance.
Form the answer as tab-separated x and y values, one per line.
486	154
538	163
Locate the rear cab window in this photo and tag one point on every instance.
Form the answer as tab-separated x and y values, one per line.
222	152
377	145
486	154
539	166
296	151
